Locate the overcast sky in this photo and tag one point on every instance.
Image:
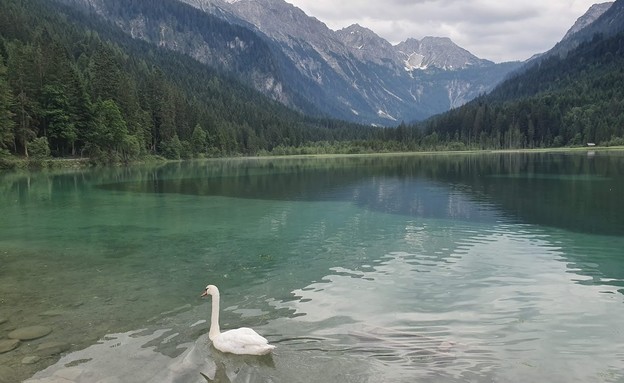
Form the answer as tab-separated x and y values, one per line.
497	30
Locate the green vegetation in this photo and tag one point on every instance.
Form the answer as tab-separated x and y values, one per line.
88	90
74	86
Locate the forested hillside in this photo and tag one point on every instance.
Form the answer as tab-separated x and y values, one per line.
76	86
574	100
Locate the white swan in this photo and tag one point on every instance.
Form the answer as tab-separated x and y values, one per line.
238	341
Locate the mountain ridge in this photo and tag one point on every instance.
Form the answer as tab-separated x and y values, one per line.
597	20
373	82
351	74
593	13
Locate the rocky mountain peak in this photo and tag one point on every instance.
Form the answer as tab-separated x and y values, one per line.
367	45
594	12
276	18
439	52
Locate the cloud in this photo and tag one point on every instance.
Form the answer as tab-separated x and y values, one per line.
491	29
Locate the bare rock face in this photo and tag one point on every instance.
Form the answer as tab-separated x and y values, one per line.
351	74
594	12
29	333
370	79
439	52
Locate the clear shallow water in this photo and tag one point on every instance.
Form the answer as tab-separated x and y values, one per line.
445	269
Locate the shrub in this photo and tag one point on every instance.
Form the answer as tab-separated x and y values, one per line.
39	148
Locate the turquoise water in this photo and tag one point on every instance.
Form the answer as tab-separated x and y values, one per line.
481	268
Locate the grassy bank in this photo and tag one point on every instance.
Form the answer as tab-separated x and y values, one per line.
17	163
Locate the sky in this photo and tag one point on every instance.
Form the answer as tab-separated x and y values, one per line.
497	30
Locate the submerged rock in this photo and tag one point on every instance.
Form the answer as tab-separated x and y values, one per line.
6	375
31	359
52	348
3	320
29	333
52	313
7	345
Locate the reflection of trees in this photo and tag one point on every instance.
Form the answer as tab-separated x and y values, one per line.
392	184
574	192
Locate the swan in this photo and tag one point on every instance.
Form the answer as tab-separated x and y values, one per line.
241	341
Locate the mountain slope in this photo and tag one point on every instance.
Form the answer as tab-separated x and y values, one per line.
295	59
562	99
79	85
599	19
438	52
209	39
594	12
365	75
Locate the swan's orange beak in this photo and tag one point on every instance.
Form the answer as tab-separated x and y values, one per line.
205	293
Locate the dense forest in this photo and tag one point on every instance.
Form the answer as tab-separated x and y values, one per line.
77	86
72	85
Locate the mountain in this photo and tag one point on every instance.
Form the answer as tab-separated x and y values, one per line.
365	76
601	19
351	74
594	12
365	44
571	96
439	52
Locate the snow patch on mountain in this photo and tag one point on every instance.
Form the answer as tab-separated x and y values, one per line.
385	115
414	61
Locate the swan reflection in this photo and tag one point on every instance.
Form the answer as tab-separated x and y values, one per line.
141	356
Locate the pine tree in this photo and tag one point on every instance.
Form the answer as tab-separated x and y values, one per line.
22	70
6	115
61	130
199	140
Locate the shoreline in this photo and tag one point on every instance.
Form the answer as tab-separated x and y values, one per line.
17	163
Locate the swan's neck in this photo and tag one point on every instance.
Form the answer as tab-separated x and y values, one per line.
214	317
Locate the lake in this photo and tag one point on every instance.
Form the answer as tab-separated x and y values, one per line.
501	267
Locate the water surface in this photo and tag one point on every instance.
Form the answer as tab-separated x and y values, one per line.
482	268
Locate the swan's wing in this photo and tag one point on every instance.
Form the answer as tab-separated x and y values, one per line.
244	335
242	341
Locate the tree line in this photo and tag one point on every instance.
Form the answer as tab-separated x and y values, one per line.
70	87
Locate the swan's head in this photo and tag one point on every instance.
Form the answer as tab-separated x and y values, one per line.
210	290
